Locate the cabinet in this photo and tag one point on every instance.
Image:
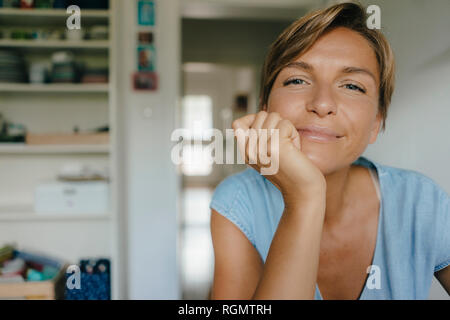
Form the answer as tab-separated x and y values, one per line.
59	107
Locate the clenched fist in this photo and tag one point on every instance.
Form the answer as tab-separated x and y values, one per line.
272	146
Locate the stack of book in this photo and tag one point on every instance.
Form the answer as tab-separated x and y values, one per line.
12	67
30	275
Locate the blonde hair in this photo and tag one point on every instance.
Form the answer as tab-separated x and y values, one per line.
304	32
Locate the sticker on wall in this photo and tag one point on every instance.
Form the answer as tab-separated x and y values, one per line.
146	13
145	37
146	57
145	81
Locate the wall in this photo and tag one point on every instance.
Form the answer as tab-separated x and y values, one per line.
239	42
152	183
416	134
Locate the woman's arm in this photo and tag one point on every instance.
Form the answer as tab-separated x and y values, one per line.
443	277
237	264
290	271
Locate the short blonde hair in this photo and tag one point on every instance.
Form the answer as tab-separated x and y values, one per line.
304	32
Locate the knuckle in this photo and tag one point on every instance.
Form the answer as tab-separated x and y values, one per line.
288	123
235	124
275	115
282	123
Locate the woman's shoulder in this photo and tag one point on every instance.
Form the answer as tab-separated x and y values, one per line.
241	186
414	197
246	176
402	180
415	207
240	196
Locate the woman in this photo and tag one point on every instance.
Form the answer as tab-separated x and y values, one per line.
329	224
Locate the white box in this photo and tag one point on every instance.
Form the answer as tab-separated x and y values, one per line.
90	197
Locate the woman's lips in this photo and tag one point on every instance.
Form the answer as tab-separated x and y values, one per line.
319	134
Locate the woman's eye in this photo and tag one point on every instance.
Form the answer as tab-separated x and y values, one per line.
294	81
354	87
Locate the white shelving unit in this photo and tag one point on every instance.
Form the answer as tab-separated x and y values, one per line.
29	216
13	148
33	17
22	167
48	13
54	88
55	44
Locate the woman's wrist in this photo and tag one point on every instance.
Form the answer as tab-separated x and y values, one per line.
311	192
303	200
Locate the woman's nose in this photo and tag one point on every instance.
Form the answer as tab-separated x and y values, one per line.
322	102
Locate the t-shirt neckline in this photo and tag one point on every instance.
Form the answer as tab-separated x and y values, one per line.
369	164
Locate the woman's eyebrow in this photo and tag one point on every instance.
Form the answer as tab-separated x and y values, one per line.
300	65
307	67
359	70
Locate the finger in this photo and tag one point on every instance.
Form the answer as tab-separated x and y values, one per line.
263	137
251	150
244	123
260	118
241	127
241	136
252	145
264	134
288	130
271	121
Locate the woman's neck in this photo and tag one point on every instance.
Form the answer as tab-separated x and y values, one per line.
340	193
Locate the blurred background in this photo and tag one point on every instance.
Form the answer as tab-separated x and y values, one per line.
86	118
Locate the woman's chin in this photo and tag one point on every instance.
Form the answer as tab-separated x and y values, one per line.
326	162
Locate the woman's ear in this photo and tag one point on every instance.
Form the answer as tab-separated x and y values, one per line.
375	128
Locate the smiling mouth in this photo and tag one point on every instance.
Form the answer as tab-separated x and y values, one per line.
318	136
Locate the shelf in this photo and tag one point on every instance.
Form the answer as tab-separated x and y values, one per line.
86	13
26	217
25	212
29	17
54	88
12	148
55	44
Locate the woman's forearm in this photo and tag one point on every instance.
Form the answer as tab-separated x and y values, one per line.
290	271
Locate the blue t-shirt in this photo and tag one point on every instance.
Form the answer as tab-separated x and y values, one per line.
413	237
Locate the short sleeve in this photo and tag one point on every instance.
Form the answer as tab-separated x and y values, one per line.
443	236
230	199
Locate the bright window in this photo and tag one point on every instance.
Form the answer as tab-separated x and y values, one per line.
197	117
197	114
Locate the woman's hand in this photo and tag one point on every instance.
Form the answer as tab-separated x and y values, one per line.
296	176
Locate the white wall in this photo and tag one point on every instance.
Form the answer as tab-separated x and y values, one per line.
152	183
416	134
246	9
228	41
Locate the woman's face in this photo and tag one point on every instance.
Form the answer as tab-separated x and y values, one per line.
333	85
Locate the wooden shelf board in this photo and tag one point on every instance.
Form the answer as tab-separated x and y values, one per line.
86	13
13	148
23	212
55	44
55	87
31	216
